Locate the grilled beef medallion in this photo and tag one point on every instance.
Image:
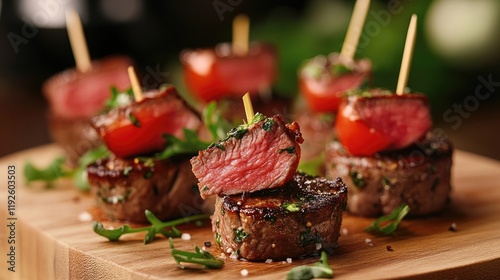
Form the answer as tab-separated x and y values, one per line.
264	154
418	176
292	221
125	188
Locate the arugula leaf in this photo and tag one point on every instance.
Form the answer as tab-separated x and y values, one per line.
157	227
320	269
313	166
49	174
175	146
198	257
216	124
396	216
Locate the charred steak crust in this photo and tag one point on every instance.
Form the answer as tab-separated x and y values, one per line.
280	223
124	189
263	155
418	176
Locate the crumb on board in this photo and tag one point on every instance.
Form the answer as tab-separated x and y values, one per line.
85	217
244	272
453	227
389	248
186	236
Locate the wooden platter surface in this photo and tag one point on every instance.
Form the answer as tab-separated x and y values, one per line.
53	243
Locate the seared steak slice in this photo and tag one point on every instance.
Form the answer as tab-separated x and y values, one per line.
124	189
288	222
258	156
418	176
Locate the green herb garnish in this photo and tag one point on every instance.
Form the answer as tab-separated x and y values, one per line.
199	256
239	235
339	69
357	179
386	182
214	121
391	221
54	171
134	120
268	124
175	146
307	237
290	150
291	207
119	99
58	169
320	269
157	227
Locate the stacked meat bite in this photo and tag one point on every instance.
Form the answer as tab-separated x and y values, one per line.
388	154
264	209
132	180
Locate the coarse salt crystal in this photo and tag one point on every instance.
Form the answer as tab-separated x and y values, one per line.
85	217
186	236
244	272
368	241
289	260
345	231
318	246
269	261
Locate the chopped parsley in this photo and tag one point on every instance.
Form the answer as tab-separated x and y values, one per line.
290	150
389	223
134	120
239	235
268	124
126	170
357	179
320	269
291	207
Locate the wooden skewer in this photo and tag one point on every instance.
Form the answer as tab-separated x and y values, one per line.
136	87
354	30
247	102
77	41
241	29
407	56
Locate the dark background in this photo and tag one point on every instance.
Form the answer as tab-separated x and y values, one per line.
448	69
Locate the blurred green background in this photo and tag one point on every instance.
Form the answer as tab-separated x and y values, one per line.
456	59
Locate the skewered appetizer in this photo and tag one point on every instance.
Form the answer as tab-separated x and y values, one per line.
136	176
323	82
74	97
264	208
387	154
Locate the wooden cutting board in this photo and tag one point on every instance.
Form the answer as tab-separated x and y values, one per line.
52	243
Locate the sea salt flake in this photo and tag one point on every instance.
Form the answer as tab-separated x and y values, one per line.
85	217
186	236
244	272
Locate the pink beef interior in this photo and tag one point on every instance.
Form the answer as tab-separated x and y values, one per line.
403	119
260	160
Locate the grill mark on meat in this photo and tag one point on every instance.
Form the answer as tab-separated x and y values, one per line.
260	158
418	176
262	225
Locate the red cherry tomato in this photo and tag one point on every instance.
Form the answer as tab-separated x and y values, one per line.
138	128
324	80
382	121
213	74
357	138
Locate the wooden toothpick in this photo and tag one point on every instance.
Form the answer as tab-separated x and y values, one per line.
354	30
407	56
134	82
247	102
241	29
77	40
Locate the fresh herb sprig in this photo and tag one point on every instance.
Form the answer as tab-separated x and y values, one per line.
320	269
389	223
167	228
58	169
199	256
119	99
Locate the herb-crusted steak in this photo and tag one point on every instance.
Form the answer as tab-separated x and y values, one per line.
418	176
287	222
264	154
124	189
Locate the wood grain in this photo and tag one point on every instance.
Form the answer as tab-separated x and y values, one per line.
52	243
